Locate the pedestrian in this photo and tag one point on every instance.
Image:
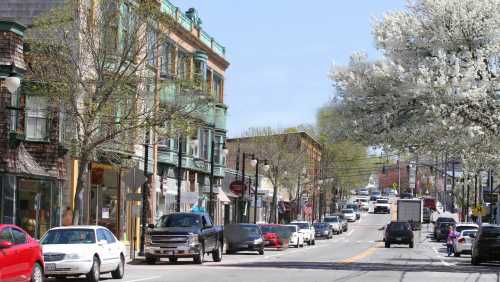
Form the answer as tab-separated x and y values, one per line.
67	217
452	235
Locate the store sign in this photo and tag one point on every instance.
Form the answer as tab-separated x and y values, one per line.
237	187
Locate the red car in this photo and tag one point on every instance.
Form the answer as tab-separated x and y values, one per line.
275	235
21	257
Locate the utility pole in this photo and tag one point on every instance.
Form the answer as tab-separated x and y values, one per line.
467	202
399	174
453	186
145	197
179	174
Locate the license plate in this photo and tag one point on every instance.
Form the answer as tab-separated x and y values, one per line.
399	238
50	266
168	252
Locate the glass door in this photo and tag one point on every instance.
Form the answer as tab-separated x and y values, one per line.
34	206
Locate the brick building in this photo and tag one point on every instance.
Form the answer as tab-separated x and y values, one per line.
32	162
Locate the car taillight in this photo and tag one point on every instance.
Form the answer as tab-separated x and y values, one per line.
461	240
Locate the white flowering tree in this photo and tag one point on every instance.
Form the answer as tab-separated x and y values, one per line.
437	85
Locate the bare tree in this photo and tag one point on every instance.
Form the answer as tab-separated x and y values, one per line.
98	62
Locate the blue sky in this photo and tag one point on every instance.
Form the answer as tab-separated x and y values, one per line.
282	50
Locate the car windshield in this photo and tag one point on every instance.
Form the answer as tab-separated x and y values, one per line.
331	219
179	220
445	219
347	211
468	233
301	225
398	226
491	232
292	228
69	236
382	202
320	225
460	228
352	206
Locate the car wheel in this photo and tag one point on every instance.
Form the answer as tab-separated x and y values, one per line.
298	245
120	269
217	254
172	260
37	273
95	271
387	244
261	252
151	260
229	251
313	242
411	245
198	259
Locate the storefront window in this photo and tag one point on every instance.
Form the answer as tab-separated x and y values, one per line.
104	199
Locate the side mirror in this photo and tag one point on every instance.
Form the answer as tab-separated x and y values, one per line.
6	244
152	226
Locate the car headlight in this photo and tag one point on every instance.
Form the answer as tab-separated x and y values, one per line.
257	241
72	256
193	240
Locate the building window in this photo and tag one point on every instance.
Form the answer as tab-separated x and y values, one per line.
151	52
182	65
14	111
204	143
217	87
36	118
217	149
166	59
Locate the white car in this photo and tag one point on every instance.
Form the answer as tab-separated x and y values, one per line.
296	237
463	244
363	203
334	223
308	230
82	250
349	215
382	205
466	226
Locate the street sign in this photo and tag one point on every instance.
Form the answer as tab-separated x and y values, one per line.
490	197
134	178
237	187
479	210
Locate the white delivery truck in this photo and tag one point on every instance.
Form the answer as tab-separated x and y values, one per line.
410	210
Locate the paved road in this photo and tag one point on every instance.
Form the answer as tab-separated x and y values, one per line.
357	255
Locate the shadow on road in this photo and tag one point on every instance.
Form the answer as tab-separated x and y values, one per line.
364	266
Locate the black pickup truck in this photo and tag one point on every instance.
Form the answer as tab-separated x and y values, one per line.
183	235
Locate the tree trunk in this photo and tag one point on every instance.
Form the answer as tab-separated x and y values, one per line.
274	204
81	183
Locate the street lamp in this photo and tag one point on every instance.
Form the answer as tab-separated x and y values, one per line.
12	82
255	163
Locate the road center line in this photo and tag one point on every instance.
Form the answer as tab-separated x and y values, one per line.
362	255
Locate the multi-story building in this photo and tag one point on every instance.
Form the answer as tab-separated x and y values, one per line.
288	203
32	158
113	195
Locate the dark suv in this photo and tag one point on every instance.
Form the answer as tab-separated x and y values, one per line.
398	232
443	229
486	247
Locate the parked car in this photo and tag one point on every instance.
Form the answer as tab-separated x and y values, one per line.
442	230
486	247
463	244
296	238
335	223
21	257
323	230
183	235
382	206
83	250
243	237
355	208
349	215
398	232
466	226
276	235
343	221
307	229
363	192
438	221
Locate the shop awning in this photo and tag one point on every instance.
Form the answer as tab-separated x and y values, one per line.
223	197
26	164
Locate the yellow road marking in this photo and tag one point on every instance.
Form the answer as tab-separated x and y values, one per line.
362	255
